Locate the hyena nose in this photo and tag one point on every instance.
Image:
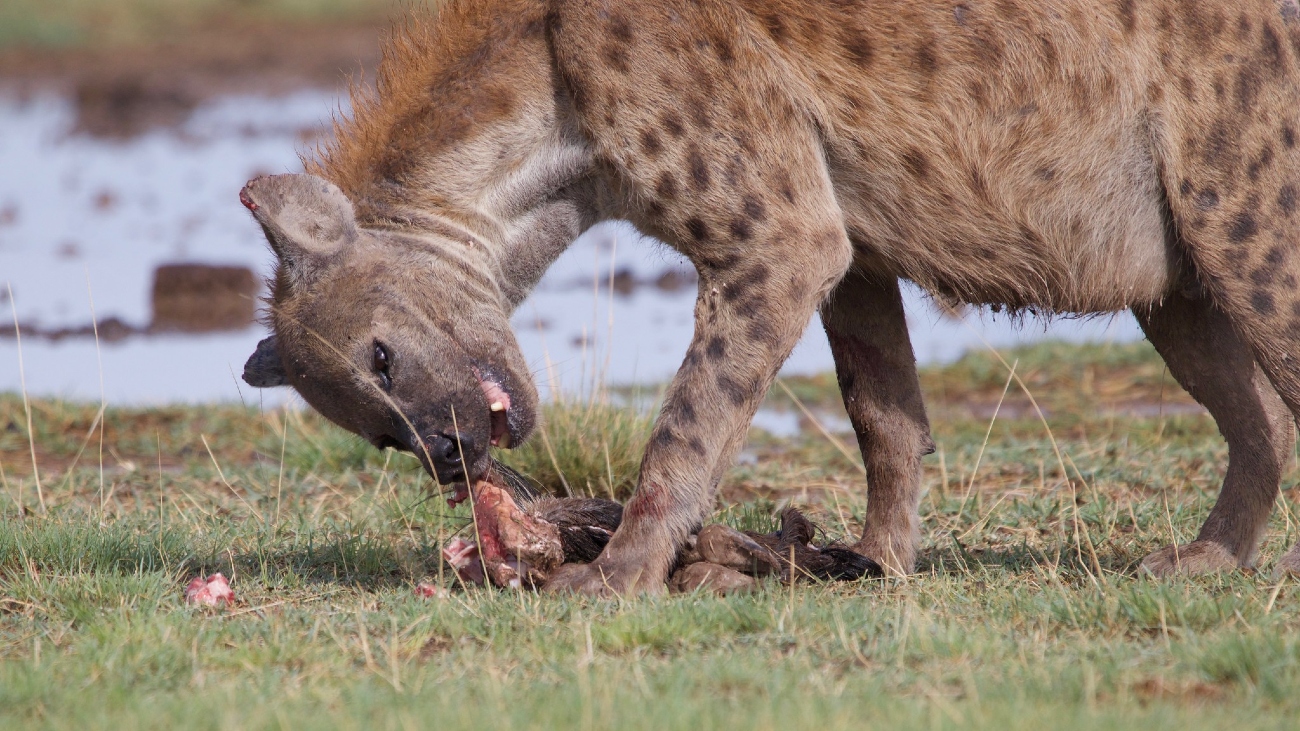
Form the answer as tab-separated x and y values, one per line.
448	451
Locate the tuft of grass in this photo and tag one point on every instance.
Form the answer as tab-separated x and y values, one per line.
584	448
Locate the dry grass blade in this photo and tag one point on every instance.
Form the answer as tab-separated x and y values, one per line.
27	407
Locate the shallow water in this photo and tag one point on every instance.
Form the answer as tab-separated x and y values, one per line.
84	218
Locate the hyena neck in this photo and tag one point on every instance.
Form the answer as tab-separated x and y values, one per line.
468	139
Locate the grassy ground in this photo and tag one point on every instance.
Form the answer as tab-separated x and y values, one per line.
115	23
1026	612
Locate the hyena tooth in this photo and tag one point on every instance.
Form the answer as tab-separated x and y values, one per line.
497	406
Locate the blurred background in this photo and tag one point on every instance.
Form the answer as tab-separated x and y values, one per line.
128	267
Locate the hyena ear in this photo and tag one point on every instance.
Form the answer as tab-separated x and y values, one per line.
263	368
306	219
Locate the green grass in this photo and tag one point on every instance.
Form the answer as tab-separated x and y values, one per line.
1027	612
75	23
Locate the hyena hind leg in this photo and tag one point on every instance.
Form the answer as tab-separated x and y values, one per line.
876	367
1208	357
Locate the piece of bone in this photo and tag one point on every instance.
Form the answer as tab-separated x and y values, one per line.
517	548
726	546
710	577
213	591
462	556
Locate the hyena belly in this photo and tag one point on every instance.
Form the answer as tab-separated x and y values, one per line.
1007	163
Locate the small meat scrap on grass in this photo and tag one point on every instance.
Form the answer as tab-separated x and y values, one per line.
519	538
213	591
427	590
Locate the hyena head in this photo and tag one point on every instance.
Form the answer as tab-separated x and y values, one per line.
402	339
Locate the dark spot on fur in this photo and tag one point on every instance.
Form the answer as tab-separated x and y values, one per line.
961	14
717	349
758	275
859	48
1186	187
1247	88
699	170
663	438
1045	174
916	163
740	229
1243	27
1263	277
1127	19
620	28
1271	50
685	411
1206	200
723	264
1275	256
1219	145
1288	136
674	125
926	59
696	446
650	143
722	46
1243	228
1286	199
699	112
616	56
1260	163
1186	87
753	208
732	389
735	289
775	27
698	228
666	188
1262	302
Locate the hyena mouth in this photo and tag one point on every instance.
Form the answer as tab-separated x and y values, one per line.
498	400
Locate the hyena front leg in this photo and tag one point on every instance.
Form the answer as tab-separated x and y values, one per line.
760	283
867	330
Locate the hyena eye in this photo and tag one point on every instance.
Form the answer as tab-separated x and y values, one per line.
381	361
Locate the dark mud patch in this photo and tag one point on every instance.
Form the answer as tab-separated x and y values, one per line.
123	92
186	298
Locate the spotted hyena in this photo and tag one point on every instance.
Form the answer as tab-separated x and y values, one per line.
805	155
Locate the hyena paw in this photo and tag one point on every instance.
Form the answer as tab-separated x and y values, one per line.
895	554
1191	559
1289	564
606	579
